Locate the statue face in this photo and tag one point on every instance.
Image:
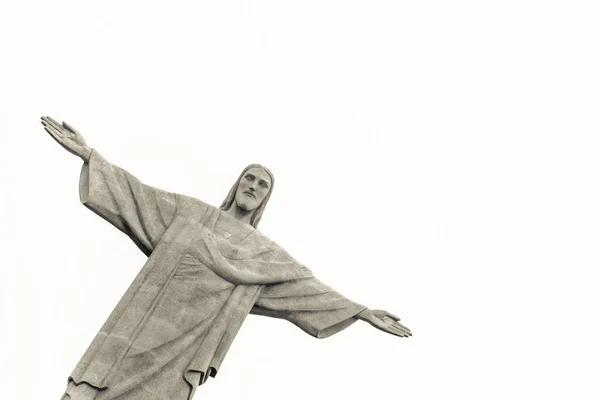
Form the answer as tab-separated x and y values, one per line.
252	189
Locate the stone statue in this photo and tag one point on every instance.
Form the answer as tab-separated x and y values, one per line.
207	269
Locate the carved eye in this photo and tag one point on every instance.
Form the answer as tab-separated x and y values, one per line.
264	184
250	177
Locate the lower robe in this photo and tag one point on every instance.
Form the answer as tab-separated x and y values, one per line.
206	271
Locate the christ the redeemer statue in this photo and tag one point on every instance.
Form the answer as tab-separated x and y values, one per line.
207	269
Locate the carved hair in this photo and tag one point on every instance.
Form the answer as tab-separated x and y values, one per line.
226	205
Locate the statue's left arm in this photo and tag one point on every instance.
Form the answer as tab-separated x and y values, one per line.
319	310
309	304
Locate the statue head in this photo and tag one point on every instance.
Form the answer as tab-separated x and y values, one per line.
251	191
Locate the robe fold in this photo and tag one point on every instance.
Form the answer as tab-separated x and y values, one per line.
205	273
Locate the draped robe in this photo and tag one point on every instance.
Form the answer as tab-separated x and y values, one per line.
206	271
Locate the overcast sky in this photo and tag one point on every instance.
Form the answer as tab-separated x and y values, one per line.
437	159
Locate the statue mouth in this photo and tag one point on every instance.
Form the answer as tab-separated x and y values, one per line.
249	194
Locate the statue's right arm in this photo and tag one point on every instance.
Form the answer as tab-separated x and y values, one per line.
142	212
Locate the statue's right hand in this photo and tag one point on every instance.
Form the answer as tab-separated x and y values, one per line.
67	137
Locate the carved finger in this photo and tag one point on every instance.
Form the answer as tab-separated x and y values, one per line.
51	120
70	128
53	123
395	324
407	332
404	334
45	122
392	316
53	132
56	125
402	328
52	128
397	332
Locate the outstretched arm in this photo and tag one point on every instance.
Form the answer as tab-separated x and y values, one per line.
140	211
309	304
319	310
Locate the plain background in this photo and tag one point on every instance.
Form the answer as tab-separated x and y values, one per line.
437	159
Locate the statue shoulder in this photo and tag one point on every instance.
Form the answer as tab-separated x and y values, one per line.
277	253
191	207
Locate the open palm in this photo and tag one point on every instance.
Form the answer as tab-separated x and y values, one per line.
67	137
385	321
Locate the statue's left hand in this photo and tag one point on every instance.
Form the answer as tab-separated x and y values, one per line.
384	321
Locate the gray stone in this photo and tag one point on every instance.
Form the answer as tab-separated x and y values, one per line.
207	269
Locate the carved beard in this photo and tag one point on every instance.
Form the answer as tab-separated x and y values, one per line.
244	206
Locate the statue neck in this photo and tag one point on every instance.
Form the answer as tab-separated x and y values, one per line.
240	214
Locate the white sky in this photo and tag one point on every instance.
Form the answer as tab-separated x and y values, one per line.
436	159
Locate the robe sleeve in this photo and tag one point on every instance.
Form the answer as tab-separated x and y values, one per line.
309	304
140	211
